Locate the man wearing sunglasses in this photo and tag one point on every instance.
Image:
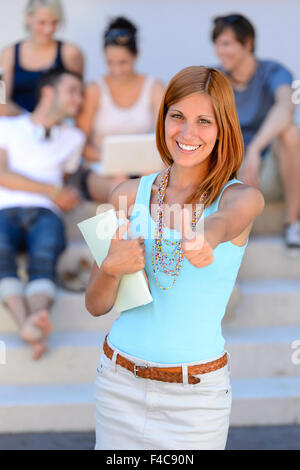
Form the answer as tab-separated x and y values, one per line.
263	96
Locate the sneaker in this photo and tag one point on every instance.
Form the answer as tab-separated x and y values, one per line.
292	234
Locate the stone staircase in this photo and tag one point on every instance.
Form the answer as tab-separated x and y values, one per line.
56	393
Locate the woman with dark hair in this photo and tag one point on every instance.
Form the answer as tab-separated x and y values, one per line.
121	102
163	379
25	62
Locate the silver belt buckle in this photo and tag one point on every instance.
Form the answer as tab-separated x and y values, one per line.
135	369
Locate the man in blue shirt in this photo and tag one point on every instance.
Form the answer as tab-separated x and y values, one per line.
263	96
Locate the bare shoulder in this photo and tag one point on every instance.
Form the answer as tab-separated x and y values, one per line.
247	192
92	91
157	91
91	103
70	50
128	190
73	57
243	193
91	98
158	87
7	56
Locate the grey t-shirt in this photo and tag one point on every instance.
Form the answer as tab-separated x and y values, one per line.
256	100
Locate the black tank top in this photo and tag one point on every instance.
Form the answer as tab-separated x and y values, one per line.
25	81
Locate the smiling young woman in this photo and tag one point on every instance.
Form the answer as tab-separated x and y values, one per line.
218	123
163	379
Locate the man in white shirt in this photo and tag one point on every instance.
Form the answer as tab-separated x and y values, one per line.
36	152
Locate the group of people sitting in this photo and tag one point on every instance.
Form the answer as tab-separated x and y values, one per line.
52	127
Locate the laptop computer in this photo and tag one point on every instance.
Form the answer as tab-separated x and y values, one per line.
134	154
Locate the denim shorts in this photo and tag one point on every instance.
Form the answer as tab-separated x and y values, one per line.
38	232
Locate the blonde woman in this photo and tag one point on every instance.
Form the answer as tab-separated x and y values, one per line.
24	62
163	380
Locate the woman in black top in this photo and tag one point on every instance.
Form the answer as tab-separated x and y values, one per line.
23	63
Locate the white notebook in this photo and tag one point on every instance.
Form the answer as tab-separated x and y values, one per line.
97	231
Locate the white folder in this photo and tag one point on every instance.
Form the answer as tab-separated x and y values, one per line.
98	231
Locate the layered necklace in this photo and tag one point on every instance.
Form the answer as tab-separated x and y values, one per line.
168	263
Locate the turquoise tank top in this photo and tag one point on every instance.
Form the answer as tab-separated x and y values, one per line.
183	323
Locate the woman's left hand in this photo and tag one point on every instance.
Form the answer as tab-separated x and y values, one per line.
196	249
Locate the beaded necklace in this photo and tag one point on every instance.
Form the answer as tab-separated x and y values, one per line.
168	263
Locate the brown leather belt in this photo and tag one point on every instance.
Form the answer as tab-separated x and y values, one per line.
166	374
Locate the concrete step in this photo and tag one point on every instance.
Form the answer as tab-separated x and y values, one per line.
266	257
73	356
270	302
46	408
67	314
258	304
265	401
260	352
270	221
38	408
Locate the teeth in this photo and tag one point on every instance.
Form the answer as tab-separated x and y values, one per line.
188	147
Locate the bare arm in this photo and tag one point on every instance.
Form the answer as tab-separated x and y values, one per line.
65	198
7	66
73	58
278	118
101	291
11	180
237	210
86	118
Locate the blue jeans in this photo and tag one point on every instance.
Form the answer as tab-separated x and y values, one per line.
35	230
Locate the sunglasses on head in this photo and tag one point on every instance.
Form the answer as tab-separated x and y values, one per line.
228	19
118	36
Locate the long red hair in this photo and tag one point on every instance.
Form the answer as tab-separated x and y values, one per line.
227	155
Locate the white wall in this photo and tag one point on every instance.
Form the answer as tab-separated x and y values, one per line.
173	33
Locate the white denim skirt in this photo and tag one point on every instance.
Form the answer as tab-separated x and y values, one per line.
133	413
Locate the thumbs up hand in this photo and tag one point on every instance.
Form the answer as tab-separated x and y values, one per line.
124	256
195	248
